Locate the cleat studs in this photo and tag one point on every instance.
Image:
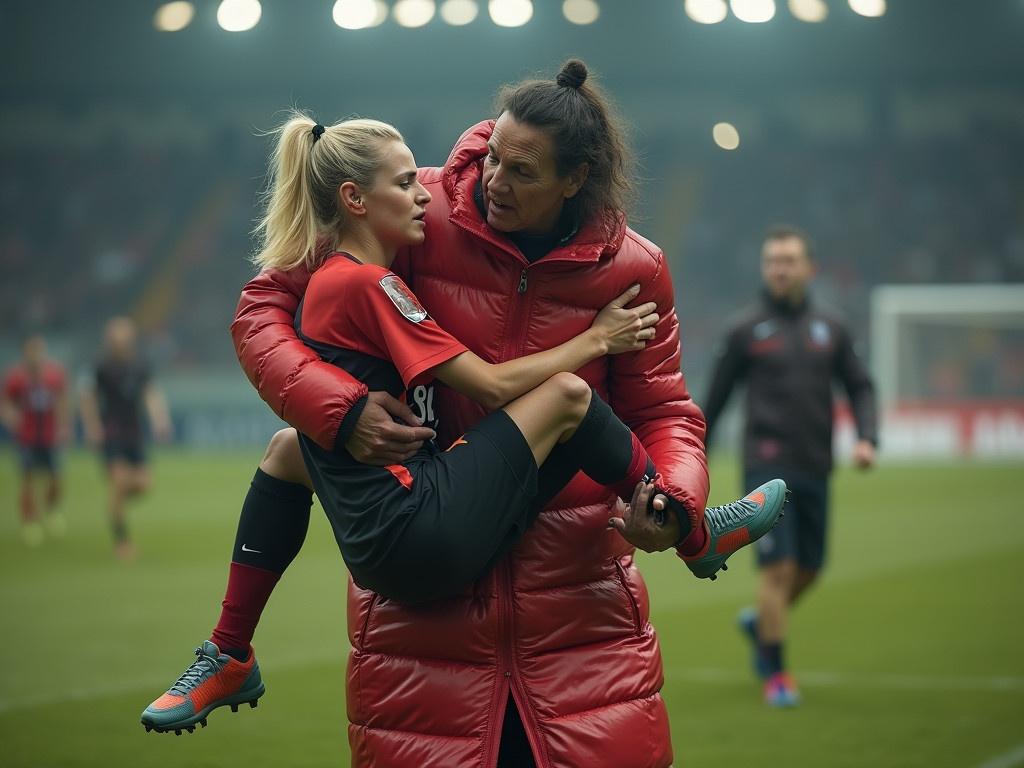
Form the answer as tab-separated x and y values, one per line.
234	707
177	731
191	729
253	703
713	577
203	722
725	567
149	728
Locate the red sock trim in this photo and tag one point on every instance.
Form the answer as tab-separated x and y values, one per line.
249	588
694	544
636	470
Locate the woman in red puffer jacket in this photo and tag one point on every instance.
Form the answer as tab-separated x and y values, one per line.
550	658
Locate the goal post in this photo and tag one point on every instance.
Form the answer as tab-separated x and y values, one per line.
948	362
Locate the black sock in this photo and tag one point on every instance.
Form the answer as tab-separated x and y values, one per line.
772	655
273	523
608	451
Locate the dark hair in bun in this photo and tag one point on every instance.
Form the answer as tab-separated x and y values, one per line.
573	74
584	128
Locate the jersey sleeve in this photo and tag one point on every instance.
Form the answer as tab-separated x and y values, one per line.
412	340
370	309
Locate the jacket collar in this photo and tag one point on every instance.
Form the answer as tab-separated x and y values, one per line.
461	176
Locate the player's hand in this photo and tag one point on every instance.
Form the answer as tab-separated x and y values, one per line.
640	528
863	455
378	440
626	329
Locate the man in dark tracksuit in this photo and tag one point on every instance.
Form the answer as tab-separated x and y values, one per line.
789	351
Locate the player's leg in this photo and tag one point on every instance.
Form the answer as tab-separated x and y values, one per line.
777	561
56	525
31	527
271	529
119	473
812	535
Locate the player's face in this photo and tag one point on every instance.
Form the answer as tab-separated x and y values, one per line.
522	189
786	267
34	350
396	204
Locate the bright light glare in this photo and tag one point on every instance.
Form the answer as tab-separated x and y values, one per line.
581	11
239	15
414	13
174	17
808	10
725	135
871	8
753	11
706	11
510	13
359	14
459	12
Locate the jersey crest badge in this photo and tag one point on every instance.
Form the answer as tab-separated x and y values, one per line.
403	299
820	333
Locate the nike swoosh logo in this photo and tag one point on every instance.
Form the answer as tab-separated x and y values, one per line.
254	551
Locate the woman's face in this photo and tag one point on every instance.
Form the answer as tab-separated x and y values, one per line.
522	189
396	203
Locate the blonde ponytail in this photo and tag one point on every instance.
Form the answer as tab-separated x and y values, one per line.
306	171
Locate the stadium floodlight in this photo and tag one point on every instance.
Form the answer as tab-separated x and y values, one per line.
811	11
458	13
870	8
359	14
510	13
726	136
753	11
239	15
414	13
581	11
174	17
706	11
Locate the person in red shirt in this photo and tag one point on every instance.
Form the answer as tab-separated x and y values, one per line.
415	531
34	408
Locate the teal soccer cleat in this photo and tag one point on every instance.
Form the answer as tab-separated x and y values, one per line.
213	680
732	526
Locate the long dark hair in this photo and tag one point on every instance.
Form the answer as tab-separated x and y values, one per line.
585	129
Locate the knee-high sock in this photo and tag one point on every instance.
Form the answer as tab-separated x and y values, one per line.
608	451
271	530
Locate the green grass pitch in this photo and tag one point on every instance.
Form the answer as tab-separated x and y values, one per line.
909	652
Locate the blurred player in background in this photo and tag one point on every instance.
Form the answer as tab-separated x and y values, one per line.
789	351
113	406
34	409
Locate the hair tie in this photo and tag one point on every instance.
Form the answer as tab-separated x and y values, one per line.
318	131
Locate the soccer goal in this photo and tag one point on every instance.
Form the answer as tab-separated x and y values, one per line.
948	361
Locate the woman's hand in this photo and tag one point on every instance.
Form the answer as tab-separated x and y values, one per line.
625	329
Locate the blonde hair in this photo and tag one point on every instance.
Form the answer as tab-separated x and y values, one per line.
301	198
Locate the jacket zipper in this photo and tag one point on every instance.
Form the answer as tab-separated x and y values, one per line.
506	664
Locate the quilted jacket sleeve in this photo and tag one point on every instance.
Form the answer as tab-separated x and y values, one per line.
313	396
648	392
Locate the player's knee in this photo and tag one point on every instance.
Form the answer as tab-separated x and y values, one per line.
283	458
573	391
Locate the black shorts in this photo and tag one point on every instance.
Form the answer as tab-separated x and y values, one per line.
801	534
467	507
35	457
128	451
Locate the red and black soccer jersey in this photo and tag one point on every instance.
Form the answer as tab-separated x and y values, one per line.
120	391
363	318
36	396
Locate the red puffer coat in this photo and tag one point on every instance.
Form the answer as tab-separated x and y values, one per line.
562	621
